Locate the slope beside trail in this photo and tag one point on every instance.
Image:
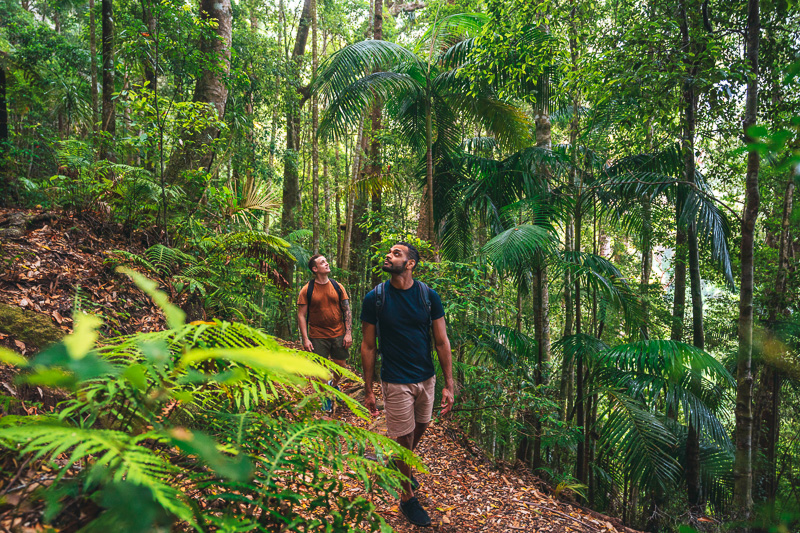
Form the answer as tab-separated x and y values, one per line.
464	491
46	255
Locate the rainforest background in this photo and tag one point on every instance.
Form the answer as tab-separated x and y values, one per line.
604	195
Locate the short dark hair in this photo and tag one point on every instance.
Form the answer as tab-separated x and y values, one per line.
412	252
312	262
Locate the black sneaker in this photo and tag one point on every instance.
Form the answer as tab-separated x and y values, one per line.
414	482
414	512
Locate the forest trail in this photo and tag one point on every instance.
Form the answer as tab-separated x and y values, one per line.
464	491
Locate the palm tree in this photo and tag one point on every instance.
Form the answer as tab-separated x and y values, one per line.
425	99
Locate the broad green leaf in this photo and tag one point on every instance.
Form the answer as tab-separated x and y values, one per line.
84	335
284	362
12	358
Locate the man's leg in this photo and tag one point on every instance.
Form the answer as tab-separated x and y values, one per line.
406	441
419	429
336	376
339	355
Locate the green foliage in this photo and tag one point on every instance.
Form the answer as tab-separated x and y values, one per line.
195	416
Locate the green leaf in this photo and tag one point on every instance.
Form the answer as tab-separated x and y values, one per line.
137	375
237	468
284	362
175	315
12	358
84	335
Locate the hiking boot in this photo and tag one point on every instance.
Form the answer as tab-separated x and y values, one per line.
338	401
327	403
414	512
414	482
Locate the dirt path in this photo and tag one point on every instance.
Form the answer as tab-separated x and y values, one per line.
465	491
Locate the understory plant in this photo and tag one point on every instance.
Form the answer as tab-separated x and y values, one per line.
205	426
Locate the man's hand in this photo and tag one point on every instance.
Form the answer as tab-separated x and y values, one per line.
448	399
308	346
348	340
369	403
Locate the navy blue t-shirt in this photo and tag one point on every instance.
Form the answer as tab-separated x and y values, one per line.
405	336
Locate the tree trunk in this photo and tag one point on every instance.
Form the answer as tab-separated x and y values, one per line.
290	218
375	148
691	52
4	140
693	486
314	138
679	279
93	64
766	423
109	113
779	298
196	152
351	197
742	468
647	261
429	171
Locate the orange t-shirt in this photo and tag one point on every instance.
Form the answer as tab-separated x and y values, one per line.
324	313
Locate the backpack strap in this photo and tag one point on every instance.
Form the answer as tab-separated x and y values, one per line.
380	300
309	293
425	296
339	293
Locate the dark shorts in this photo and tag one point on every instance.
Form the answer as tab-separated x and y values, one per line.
331	348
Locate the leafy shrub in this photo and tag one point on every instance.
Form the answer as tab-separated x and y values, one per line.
208	424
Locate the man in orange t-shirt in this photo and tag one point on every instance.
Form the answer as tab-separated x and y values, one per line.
325	323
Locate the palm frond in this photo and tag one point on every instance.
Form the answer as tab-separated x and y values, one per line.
641	440
518	248
347	105
360	59
450	31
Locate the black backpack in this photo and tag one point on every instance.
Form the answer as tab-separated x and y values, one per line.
310	292
380	301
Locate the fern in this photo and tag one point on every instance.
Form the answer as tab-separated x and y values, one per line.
124	456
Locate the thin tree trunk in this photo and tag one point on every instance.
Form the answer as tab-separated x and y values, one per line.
567	365
375	146
766	418
647	261
679	279
743	462
109	113
689	94
8	184
93	64
351	197
290	218
429	171
314	138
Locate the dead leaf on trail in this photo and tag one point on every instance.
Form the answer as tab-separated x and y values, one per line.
24	302
20	345
58	317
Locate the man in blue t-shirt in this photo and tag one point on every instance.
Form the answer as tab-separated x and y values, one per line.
405	321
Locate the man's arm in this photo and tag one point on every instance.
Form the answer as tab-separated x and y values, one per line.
369	352
348	324
302	325
442	344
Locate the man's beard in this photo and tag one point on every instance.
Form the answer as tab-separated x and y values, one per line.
392	269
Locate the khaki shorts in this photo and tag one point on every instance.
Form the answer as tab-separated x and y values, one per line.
407	404
331	348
